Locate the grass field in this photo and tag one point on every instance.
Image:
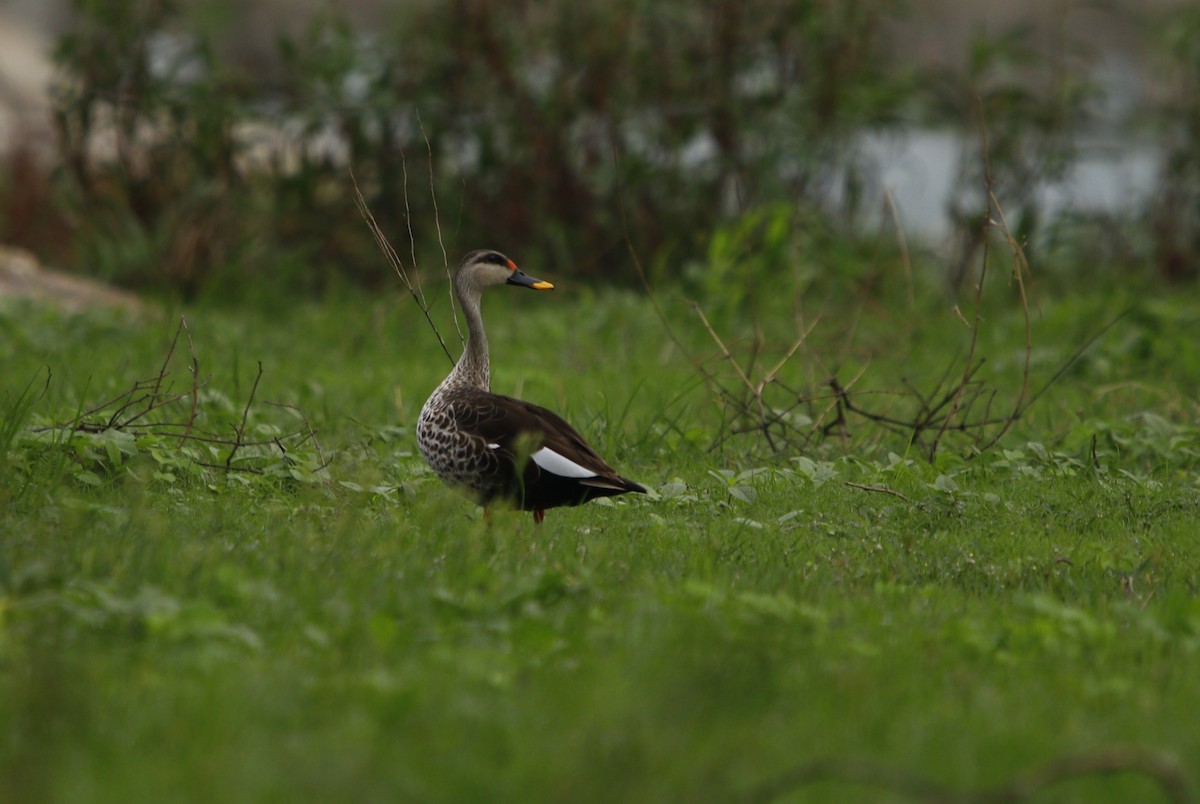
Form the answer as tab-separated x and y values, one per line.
844	620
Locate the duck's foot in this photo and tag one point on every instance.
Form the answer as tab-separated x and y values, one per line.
538	516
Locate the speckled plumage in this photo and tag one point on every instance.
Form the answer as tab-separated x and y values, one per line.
495	447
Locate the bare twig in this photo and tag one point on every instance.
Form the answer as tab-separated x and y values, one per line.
709	379
724	349
412	240
309	430
770	376
1161	768
195	371
877	490
902	242
240	430
1020	268
140	409
162	372
390	254
744	377
437	222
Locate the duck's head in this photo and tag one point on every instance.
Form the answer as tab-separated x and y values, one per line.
486	268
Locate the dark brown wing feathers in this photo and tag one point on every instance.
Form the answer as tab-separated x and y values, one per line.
518	429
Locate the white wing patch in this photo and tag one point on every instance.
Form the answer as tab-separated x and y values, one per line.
493	445
556	464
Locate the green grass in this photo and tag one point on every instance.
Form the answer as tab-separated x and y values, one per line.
337	626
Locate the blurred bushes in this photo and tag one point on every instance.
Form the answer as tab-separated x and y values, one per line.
1018	111
537	121
1173	215
545	129
145	120
545	118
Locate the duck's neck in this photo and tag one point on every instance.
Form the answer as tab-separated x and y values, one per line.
473	368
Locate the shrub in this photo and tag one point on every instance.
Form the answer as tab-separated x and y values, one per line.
1173	212
544	126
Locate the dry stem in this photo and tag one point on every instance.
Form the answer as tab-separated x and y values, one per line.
131	412
1161	768
389	253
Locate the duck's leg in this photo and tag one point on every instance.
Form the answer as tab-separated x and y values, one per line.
538	516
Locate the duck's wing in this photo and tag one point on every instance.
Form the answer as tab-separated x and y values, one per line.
553	462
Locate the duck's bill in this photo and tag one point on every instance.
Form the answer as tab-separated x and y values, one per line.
519	277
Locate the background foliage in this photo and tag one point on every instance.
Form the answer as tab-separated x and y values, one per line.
556	130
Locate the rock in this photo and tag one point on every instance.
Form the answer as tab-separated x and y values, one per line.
21	277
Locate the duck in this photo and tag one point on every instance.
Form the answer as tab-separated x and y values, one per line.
499	449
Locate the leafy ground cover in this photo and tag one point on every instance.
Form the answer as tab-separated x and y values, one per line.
222	605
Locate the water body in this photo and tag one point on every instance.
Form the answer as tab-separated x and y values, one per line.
919	169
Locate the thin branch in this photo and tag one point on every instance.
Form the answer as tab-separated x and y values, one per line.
240	430
902	242
162	372
983	268
769	377
132	412
877	490
1020	267
1161	768
437	222
721	345
1036	395
412	240
390	254
308	428
195	371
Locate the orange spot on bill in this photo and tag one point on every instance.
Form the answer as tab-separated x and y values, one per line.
512	266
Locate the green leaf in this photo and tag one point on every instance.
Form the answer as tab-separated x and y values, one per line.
744	493
946	484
